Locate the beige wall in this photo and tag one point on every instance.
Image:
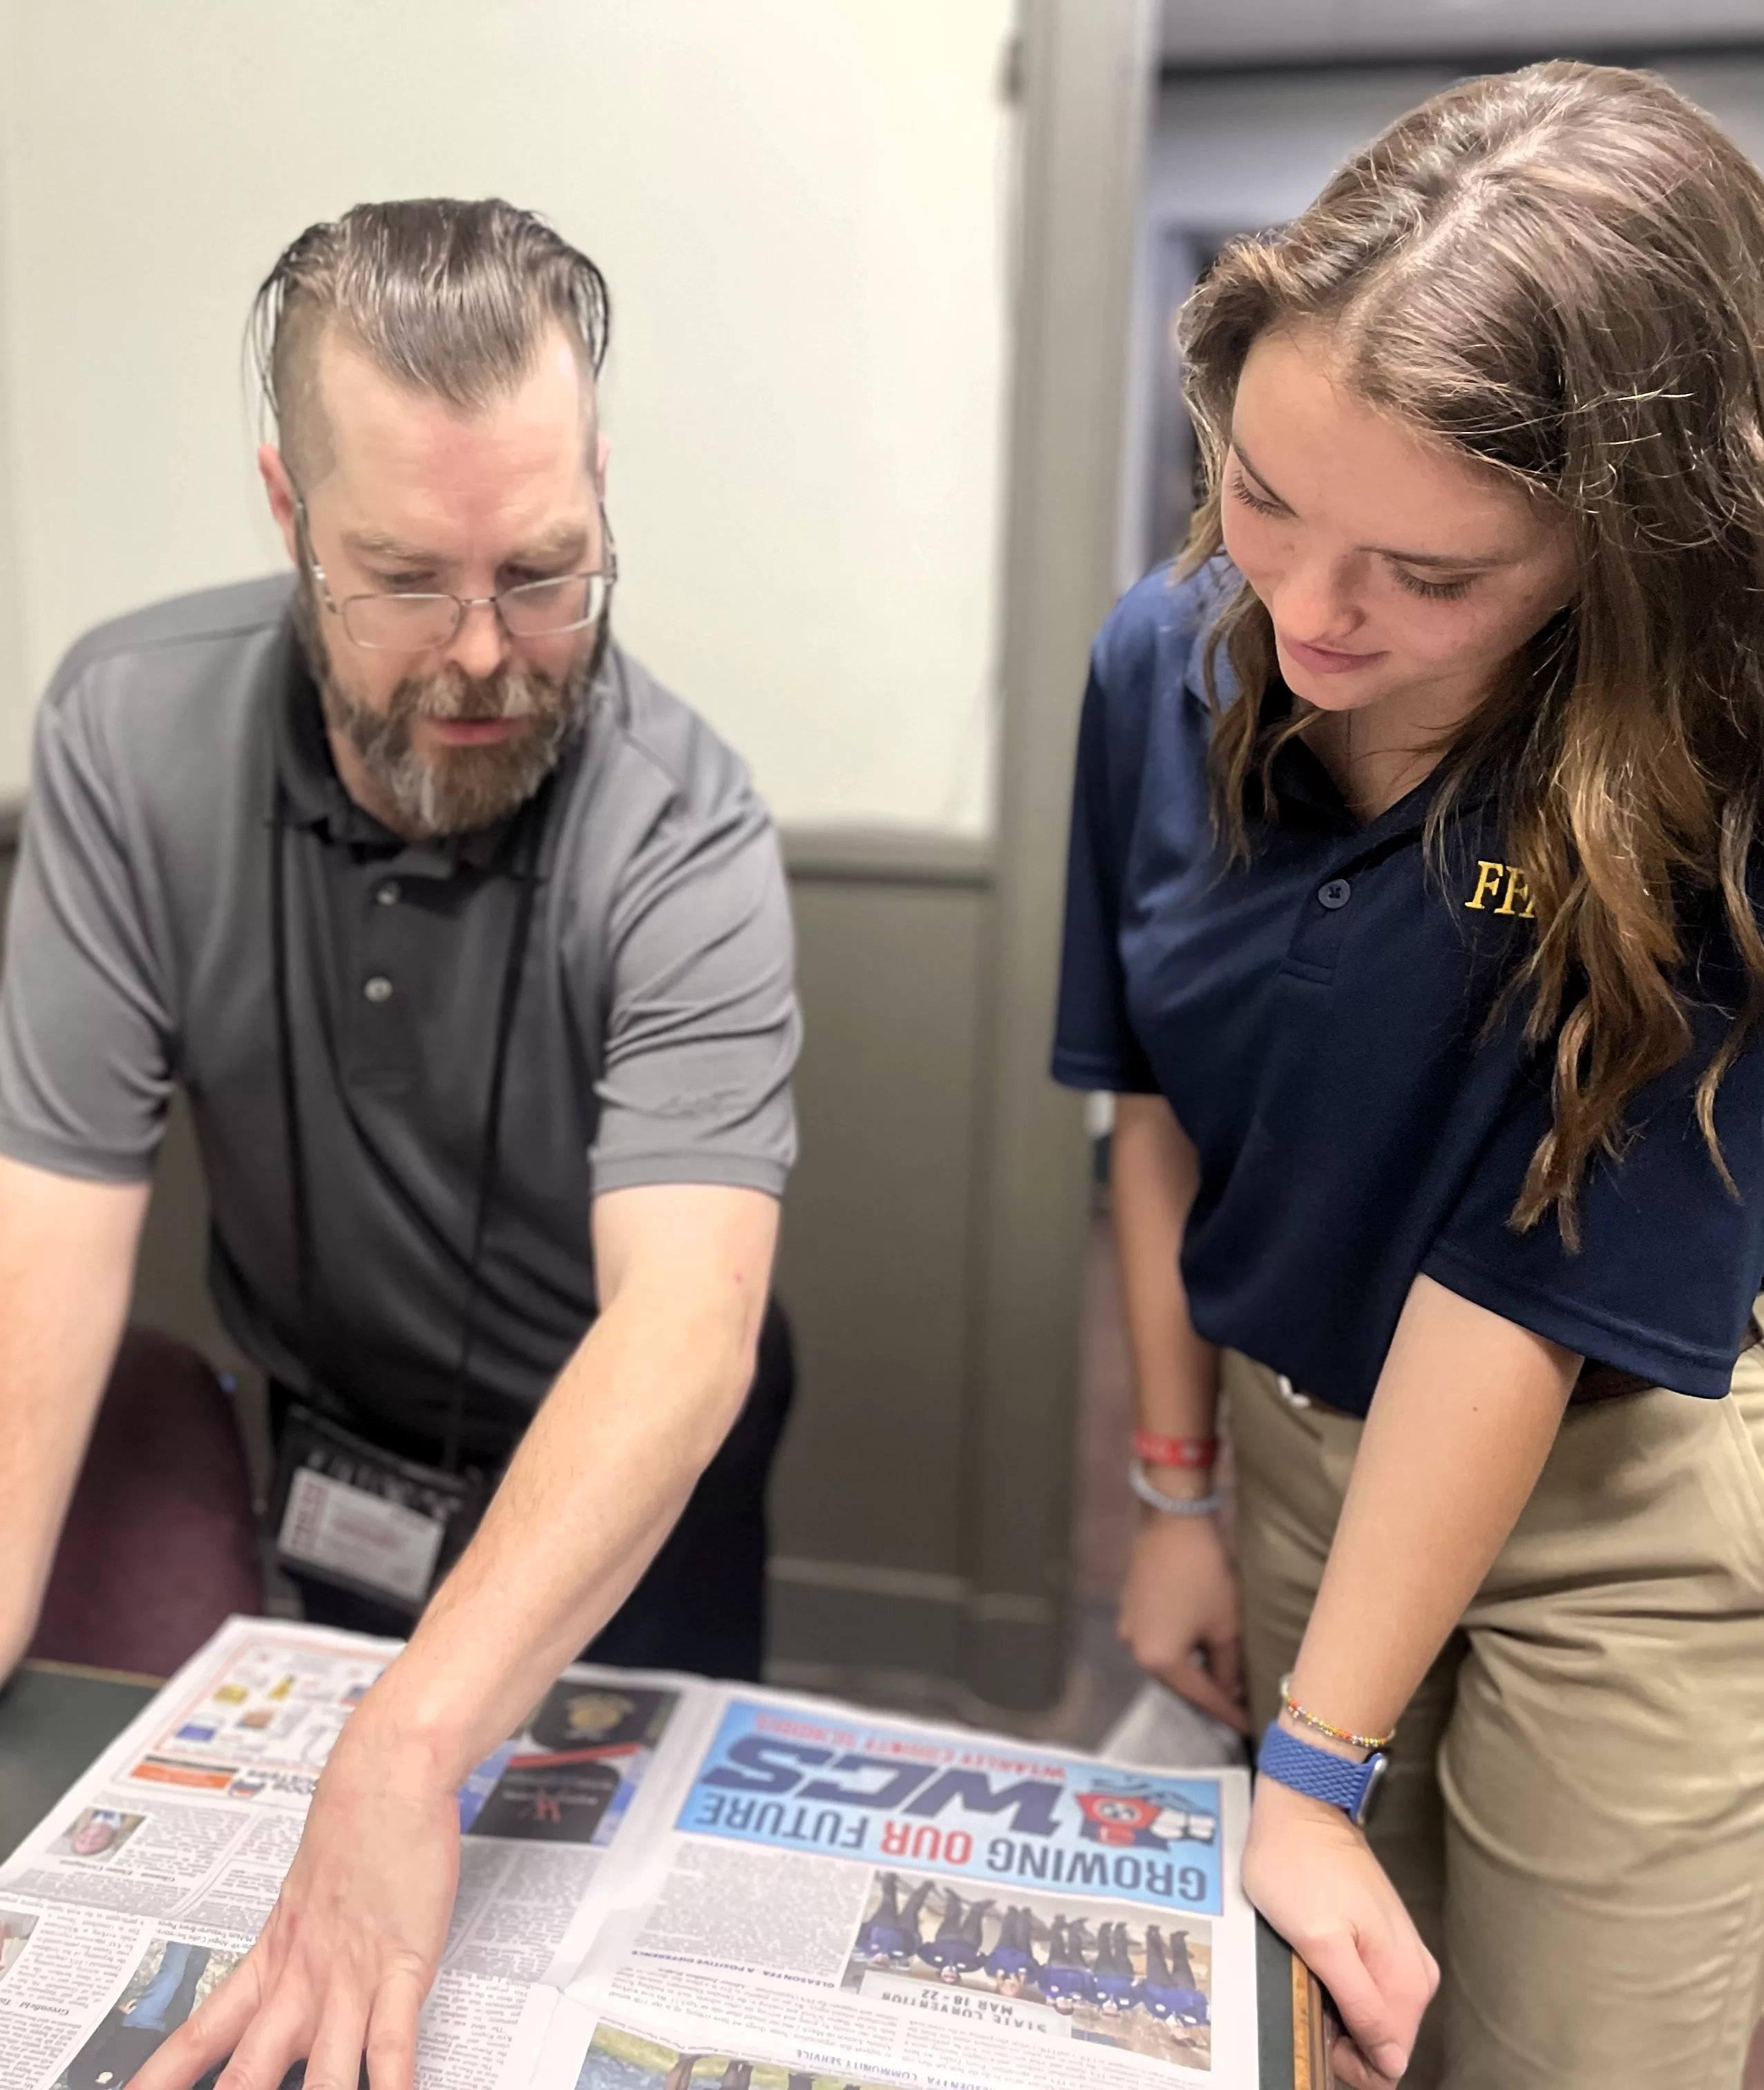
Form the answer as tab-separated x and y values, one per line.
871	1509
14	680
803	210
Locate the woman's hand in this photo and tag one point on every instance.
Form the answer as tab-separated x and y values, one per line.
1312	1874
1179	1614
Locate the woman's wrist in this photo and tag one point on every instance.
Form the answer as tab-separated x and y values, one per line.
1277	1805
1156	1448
1187	1504
1318	1719
1350	1751
1186	1483
1175	1458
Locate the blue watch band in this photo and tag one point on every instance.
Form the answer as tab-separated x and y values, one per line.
1318	1772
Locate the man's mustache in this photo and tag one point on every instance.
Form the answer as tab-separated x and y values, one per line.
455	697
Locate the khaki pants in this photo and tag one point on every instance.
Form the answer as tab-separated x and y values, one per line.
1574	1809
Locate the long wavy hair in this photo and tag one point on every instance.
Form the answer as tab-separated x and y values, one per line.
1561	271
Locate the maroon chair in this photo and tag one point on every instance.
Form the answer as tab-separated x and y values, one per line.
161	1542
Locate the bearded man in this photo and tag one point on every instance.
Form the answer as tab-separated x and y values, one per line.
468	946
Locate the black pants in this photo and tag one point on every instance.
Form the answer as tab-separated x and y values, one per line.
702	1605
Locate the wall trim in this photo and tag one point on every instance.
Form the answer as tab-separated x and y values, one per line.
829	855
887	856
914	1585
919	1584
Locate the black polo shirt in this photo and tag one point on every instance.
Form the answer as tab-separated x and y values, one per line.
1316	1019
652	1041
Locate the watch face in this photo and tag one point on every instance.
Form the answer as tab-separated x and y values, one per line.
1375	1766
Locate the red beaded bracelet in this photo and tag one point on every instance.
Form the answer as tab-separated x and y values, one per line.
1195	1454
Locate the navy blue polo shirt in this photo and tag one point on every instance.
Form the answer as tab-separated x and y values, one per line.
1317	1019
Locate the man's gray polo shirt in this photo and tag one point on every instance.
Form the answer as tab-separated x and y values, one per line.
655	1032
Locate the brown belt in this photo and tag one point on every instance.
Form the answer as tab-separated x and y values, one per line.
1596	1383
1606	1382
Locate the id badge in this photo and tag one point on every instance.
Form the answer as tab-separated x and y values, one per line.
348	1512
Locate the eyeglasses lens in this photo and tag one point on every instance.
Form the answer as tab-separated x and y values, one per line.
414	623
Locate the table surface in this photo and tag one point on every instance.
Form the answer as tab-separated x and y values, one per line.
55	1719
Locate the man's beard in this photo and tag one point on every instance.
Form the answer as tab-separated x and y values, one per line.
456	789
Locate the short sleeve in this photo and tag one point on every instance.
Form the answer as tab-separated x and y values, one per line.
1669	1261
85	1020
1143	646
701	1028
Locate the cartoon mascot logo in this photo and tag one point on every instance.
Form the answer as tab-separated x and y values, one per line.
1141	1820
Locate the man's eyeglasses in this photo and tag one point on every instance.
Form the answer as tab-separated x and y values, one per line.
399	623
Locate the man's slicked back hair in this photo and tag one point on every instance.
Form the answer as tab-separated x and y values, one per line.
447	298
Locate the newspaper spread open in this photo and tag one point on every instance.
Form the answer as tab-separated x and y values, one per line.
665	1884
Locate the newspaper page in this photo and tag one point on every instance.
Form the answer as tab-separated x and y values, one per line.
842	1901
663	1885
149	1883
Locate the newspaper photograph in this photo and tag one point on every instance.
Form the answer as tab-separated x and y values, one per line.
164	1986
664	1884
840	1893
618	2060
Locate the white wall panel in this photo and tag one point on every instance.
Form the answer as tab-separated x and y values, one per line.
801	209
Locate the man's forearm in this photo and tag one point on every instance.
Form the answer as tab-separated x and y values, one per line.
597	1484
66	1255
1467	1407
595	1487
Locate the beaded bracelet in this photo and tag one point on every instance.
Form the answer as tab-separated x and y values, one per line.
1154	1497
1373	1743
1191	1454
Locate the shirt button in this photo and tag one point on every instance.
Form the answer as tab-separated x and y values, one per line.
1335	893
379	988
389	894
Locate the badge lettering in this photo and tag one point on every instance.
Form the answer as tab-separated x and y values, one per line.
1491	878
1516	888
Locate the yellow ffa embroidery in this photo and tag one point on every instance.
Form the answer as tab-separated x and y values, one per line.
1505	879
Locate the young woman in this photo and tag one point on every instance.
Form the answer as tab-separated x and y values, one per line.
1413	917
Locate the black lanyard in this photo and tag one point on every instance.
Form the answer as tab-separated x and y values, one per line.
526	872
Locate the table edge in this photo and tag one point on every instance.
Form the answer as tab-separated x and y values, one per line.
51	1667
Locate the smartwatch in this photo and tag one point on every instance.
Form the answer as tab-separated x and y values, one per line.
1319	1774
